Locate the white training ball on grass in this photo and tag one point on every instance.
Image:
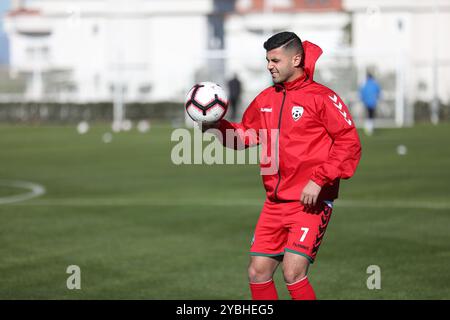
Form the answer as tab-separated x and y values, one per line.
127	125
107	137
143	126
402	150
83	127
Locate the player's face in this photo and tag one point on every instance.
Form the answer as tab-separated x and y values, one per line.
282	65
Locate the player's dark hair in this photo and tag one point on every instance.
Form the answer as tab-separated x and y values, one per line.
287	40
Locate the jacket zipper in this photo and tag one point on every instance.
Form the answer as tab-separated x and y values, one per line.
278	143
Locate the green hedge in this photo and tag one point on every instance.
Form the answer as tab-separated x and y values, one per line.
72	113
422	111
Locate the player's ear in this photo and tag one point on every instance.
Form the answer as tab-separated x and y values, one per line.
297	60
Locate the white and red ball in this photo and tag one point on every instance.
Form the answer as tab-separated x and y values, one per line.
206	102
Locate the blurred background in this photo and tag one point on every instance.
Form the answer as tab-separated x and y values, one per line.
72	59
92	90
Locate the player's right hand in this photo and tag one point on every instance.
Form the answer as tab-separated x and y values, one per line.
310	193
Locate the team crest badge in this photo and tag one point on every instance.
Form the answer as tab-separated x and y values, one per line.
297	112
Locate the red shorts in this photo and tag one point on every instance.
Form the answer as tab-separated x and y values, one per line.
290	227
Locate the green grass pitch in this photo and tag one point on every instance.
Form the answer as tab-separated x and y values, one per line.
140	227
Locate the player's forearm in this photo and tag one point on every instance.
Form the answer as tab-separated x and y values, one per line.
236	136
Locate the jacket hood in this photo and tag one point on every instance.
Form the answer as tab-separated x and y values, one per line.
312	54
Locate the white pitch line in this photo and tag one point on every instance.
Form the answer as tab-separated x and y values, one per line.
95	202
35	190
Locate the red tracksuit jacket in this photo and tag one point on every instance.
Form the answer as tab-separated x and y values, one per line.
317	138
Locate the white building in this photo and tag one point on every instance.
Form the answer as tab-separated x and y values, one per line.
85	50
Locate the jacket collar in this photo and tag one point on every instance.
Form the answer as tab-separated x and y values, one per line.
298	83
312	54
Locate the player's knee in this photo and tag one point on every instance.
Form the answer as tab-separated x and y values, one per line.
294	275
258	274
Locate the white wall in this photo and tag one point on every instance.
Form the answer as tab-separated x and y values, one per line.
104	42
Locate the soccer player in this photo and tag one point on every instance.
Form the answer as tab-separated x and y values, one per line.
370	93
317	145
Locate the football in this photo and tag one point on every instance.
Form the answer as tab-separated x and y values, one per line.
206	102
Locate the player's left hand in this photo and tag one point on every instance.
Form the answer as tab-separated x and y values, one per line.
310	193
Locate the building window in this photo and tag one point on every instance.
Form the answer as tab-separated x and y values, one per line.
45	53
30	53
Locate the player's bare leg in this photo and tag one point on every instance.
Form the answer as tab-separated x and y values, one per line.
295	267
260	275
261	269
295	270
